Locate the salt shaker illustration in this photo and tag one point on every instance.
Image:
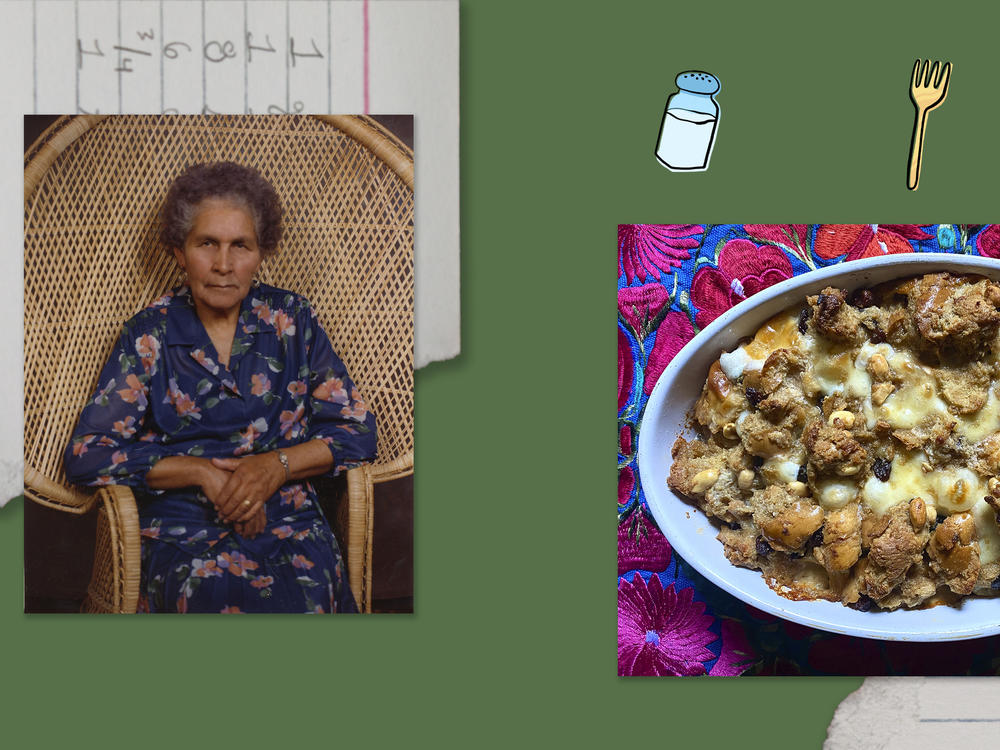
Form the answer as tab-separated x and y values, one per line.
687	132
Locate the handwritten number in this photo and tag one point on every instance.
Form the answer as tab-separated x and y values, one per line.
251	47
80	52
145	34
170	51
314	53
297	107
219	51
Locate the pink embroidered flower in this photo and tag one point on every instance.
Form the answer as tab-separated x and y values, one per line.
988	241
626	369
135	393
331	390
262	582
866	240
645	251
118	457
148	349
282	532
261	384
302	562
124	427
293	495
674	332
151	532
300	535
661	631
283	324
744	269
737	653
230	610
793	236
641	545
297	388
639	305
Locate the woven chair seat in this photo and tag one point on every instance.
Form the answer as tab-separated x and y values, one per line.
93	188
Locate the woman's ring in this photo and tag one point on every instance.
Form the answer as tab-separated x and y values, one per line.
246	503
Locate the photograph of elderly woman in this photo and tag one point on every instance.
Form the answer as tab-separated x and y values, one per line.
223	403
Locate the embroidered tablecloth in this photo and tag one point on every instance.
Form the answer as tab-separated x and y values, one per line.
673	280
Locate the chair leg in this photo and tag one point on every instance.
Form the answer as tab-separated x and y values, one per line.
360	525
114	583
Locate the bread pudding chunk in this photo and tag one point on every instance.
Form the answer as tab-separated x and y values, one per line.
851	448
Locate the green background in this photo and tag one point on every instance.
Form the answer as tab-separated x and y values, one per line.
514	632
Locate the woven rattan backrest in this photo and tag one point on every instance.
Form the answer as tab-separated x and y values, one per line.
93	187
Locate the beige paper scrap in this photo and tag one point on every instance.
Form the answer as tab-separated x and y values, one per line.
912	713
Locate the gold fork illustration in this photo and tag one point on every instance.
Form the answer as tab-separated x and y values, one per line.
928	89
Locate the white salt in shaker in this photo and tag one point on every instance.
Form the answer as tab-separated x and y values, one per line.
687	132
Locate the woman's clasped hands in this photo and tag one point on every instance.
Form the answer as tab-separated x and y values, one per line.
239	488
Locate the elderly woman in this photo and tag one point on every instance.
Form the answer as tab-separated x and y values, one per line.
218	400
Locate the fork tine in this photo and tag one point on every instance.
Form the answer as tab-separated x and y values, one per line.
943	79
914	79
923	73
932	77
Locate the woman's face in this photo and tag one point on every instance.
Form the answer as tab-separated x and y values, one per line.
220	255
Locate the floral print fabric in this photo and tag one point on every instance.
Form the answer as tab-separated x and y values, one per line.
673	280
163	393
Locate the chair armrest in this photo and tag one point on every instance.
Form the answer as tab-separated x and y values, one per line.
114	585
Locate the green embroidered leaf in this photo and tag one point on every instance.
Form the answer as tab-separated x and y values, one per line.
213	401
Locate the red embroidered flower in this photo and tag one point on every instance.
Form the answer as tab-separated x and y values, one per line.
866	240
626	485
988	241
744	269
626	369
647	250
641	545
675	331
661	631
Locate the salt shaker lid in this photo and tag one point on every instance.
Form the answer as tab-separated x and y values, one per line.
698	82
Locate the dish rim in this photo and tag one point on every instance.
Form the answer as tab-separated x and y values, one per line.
677	517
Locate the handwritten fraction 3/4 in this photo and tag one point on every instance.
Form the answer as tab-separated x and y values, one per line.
173	56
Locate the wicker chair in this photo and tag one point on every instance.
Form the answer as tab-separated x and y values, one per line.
92	187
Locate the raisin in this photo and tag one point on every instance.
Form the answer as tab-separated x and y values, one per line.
754	396
804	319
863	604
763	548
876	335
803	475
862	298
817	538
882	469
757	461
996	584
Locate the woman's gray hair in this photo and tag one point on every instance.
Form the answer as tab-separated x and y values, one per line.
243	185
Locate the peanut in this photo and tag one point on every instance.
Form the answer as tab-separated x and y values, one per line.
704	480
798	489
848	471
994	485
845	418
918	513
729	431
881	392
878	368
745	479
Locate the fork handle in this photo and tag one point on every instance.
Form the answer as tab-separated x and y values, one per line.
916	149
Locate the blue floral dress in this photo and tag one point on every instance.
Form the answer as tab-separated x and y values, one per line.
163	393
